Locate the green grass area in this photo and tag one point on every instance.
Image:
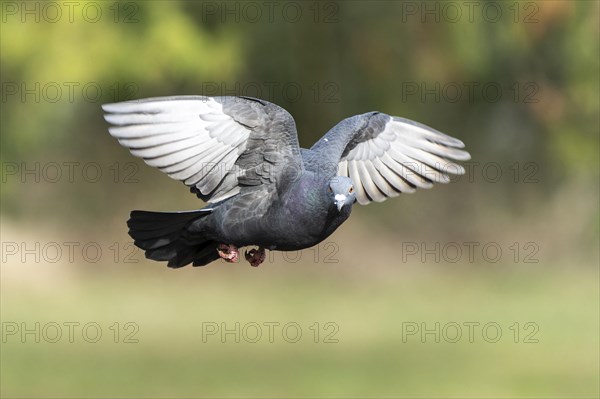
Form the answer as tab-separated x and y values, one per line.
372	358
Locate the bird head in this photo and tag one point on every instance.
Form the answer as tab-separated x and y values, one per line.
341	191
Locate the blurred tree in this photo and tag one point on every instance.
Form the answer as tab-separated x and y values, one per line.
337	59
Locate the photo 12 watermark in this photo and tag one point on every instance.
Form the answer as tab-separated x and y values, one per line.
290	332
519	172
470	252
115	252
53	332
51	12
469	92
54	91
289	12
452	12
290	91
470	332
69	172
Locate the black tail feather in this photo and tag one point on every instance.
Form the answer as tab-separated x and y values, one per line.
164	237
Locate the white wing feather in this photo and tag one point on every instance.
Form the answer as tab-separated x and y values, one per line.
193	141
404	156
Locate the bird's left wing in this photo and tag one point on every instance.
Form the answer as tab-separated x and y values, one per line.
385	155
219	146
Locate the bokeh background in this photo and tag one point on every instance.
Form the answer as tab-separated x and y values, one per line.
486	287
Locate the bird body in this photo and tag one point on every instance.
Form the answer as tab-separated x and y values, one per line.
298	218
241	155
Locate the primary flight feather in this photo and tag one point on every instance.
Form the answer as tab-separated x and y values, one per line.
241	156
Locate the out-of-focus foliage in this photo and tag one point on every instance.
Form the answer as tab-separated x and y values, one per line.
175	48
518	91
161	48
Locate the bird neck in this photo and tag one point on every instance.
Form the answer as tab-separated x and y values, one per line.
309	210
310	196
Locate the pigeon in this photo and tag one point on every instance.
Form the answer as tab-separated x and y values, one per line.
241	156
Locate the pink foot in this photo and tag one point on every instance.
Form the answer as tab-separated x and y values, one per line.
255	256
229	253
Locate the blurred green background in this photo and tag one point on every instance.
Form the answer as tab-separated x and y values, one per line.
394	304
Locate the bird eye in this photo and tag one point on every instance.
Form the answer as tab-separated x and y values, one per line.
330	189
351	190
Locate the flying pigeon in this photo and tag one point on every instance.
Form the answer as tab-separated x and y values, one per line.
241	156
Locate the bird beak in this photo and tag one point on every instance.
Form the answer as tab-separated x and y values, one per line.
340	199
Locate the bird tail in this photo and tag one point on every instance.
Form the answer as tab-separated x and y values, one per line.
164	237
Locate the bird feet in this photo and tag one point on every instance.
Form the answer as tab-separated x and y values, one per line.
255	256
229	253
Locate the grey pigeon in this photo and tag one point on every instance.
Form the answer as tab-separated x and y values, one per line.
241	156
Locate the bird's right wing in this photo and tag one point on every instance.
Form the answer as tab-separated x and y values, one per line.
215	145
386	155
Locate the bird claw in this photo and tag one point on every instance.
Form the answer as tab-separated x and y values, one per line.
229	253
255	256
